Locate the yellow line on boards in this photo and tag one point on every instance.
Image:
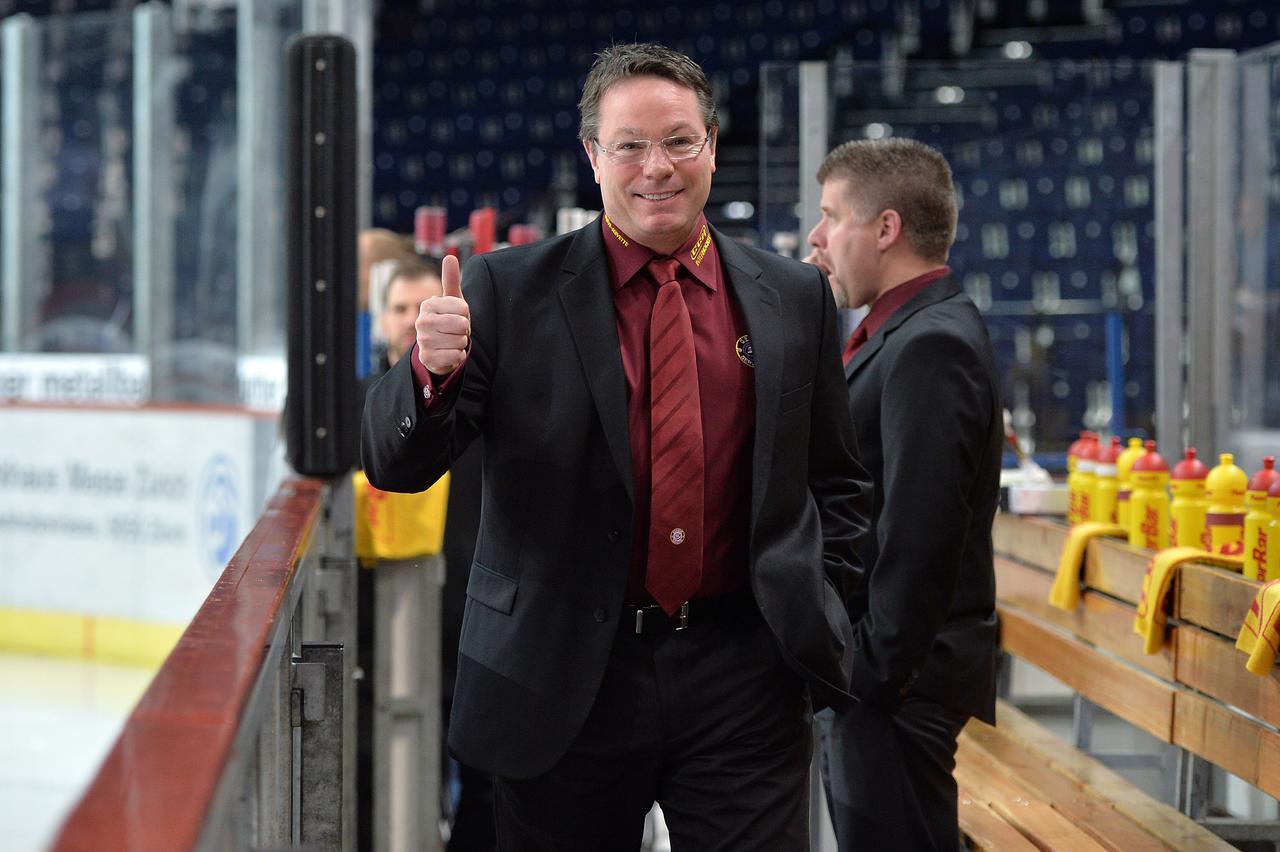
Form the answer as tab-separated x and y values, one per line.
88	637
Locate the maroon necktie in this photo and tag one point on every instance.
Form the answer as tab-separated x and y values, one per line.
856	340
674	569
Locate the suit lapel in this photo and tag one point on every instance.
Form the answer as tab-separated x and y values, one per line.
587	299
943	288
761	310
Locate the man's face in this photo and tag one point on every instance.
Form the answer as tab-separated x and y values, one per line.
655	202
404	296
847	248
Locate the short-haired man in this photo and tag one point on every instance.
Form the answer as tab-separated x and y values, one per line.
672	500
379	245
925	401
409	286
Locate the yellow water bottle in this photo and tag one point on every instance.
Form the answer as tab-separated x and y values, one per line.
1073	478
1086	463
1149	502
1124	464
1257	518
1227	484
1105	484
1190	502
1273	530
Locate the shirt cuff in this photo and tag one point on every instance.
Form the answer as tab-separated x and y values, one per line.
432	391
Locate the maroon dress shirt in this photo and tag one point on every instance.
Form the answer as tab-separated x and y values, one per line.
726	379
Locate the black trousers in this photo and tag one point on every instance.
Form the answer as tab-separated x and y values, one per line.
888	775
708	721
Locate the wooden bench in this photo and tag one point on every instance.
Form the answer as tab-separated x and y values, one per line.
1020	784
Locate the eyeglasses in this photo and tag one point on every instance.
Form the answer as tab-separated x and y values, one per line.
636	151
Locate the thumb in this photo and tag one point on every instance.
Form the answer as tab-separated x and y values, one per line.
451	276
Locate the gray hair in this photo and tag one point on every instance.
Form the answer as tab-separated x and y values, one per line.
902	175
622	61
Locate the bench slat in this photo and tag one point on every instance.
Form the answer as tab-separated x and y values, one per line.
1133	695
1211	664
1099	619
1021	807
1223	737
986	830
1035	541
1112	566
986	750
1213	598
1163	821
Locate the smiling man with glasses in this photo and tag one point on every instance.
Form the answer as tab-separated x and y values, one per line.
672	502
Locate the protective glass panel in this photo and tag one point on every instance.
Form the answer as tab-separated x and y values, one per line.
83	173
1256	314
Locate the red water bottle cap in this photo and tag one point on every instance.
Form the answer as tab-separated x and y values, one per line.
1151	461
1108	453
1190	467
429	227
483	225
521	234
1263	479
1073	451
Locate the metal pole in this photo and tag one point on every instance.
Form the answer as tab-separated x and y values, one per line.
1255	164
260	170
317	710
1210	280
25	274
1226	146
153	186
406	719
1170	159
815	127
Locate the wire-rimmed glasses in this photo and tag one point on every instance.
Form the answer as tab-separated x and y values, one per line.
631	152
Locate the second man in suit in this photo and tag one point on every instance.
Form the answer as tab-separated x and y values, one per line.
924	395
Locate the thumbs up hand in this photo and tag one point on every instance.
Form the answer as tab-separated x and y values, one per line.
444	324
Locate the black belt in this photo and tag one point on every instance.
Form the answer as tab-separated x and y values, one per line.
654	619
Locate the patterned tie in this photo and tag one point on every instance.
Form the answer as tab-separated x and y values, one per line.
674	569
856	340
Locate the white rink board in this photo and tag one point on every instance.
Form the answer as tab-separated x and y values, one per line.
126	513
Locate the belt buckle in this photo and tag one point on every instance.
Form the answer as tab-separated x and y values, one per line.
683	616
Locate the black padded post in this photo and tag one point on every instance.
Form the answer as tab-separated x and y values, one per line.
321	416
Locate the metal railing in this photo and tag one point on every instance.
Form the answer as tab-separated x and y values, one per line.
244	738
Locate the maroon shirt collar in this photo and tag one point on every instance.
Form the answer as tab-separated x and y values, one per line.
627	257
889	303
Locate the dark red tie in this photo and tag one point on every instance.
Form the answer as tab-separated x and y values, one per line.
674	569
856	340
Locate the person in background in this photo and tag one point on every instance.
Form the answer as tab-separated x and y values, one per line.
379	245
409	286
924	396
671	505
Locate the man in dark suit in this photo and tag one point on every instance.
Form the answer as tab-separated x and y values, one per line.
671	502
924	396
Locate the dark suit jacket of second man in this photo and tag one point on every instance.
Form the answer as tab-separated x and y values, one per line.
930	559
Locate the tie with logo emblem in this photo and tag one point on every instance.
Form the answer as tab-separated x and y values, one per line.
674	568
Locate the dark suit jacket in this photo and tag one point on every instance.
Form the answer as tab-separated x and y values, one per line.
926	405
544	386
